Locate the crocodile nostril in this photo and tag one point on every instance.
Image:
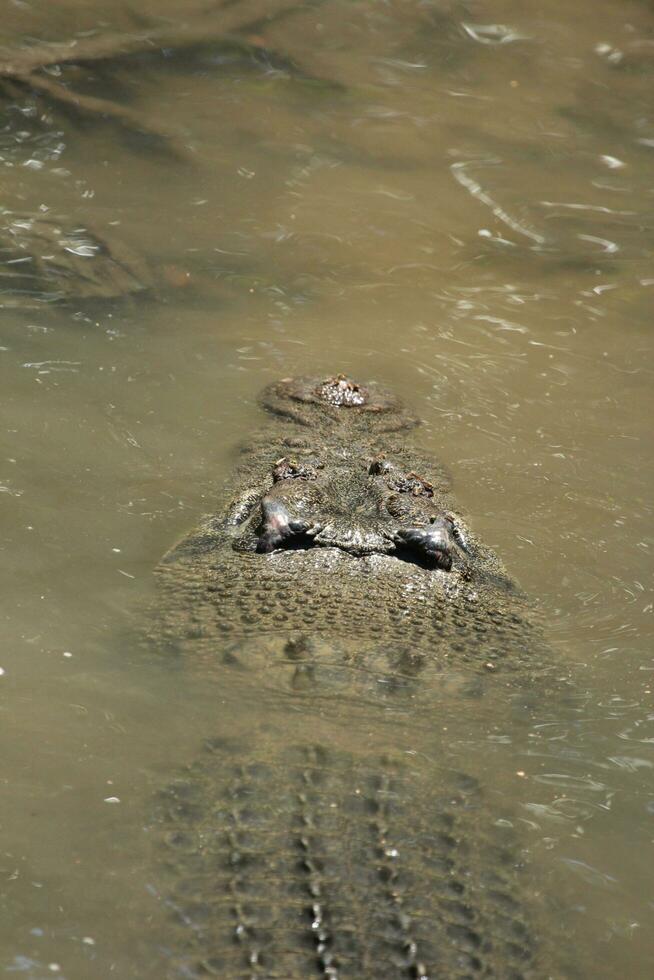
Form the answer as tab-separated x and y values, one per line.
342	392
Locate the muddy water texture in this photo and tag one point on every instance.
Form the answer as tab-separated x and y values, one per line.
453	198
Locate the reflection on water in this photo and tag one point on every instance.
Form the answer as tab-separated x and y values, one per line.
454	198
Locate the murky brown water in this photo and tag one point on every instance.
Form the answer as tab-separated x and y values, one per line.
467	215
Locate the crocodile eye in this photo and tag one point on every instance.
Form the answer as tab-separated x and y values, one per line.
431	545
378	466
279	530
457	533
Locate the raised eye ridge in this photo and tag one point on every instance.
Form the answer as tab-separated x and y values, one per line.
279	529
433	543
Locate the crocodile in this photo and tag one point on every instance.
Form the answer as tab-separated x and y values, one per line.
339	587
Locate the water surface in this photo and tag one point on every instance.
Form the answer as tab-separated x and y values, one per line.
452	198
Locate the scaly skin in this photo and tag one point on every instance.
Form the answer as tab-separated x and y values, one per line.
340	572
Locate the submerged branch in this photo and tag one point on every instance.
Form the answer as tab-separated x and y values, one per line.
202	29
25	67
91	105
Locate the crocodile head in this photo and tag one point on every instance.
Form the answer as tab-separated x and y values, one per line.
357	505
341	540
339	490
